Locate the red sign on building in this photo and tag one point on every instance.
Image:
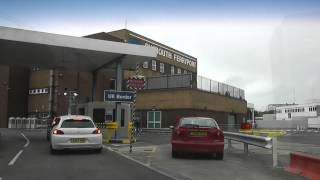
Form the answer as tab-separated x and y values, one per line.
136	83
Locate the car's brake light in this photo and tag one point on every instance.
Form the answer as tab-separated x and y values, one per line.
97	131
57	132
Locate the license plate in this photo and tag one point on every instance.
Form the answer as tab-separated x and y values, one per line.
198	133
78	140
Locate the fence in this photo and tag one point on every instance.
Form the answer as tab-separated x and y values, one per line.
186	81
165	82
27	123
213	86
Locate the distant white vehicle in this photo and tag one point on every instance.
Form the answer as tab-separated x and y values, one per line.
75	132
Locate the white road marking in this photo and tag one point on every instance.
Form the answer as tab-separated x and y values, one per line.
28	141
20	152
148	165
15	158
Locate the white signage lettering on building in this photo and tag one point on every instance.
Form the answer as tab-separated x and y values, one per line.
174	56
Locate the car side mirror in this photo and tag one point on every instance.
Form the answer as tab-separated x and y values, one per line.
171	127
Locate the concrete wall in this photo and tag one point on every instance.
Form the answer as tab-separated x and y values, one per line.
187	98
314	122
4	85
268	117
171	117
282	124
18	92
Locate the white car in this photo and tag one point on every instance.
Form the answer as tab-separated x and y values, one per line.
75	132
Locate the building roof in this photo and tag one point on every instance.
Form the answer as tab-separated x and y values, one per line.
52	51
129	32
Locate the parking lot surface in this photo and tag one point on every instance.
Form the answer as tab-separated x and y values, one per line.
36	162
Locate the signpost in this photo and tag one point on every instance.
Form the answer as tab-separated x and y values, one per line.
118	96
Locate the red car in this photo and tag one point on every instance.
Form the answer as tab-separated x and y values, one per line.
197	135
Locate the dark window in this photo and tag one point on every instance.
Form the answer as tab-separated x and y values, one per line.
113	84
114	115
72	123
81	111
199	122
122	117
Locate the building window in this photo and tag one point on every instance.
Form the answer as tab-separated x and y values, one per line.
161	67
154	65
185	72
145	64
178	71
172	70
154	119
113	84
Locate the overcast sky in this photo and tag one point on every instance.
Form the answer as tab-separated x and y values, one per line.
236	42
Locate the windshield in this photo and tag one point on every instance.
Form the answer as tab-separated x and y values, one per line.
198	122
71	123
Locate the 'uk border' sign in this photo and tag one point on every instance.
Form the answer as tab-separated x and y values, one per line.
118	96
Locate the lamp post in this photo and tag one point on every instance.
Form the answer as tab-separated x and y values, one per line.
71	95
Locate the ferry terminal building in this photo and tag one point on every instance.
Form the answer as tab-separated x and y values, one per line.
173	89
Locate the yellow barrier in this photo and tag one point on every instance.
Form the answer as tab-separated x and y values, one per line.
264	132
111	127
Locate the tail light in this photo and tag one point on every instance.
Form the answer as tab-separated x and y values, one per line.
57	132
97	131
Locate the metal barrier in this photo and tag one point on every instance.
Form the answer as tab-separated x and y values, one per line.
157	130
27	123
263	142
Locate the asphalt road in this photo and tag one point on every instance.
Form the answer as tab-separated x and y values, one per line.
303	138
36	162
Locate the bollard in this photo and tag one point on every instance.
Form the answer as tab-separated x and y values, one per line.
274	152
24	121
130	134
246	148
11	122
229	145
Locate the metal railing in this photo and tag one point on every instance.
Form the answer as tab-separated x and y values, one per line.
198	82
213	86
27	123
172	81
157	130
263	142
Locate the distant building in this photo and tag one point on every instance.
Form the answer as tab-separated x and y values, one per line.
272	107
298	111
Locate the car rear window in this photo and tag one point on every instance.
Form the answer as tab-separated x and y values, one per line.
198	122
72	123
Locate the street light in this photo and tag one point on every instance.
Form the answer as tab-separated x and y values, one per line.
71	95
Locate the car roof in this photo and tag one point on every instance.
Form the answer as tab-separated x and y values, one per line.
75	117
197	118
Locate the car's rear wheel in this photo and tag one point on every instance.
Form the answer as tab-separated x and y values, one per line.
219	156
53	151
174	154
98	150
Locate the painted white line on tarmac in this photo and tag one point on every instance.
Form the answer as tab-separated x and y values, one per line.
15	158
138	162
28	141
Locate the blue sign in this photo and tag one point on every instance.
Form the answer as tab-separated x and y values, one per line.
118	96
